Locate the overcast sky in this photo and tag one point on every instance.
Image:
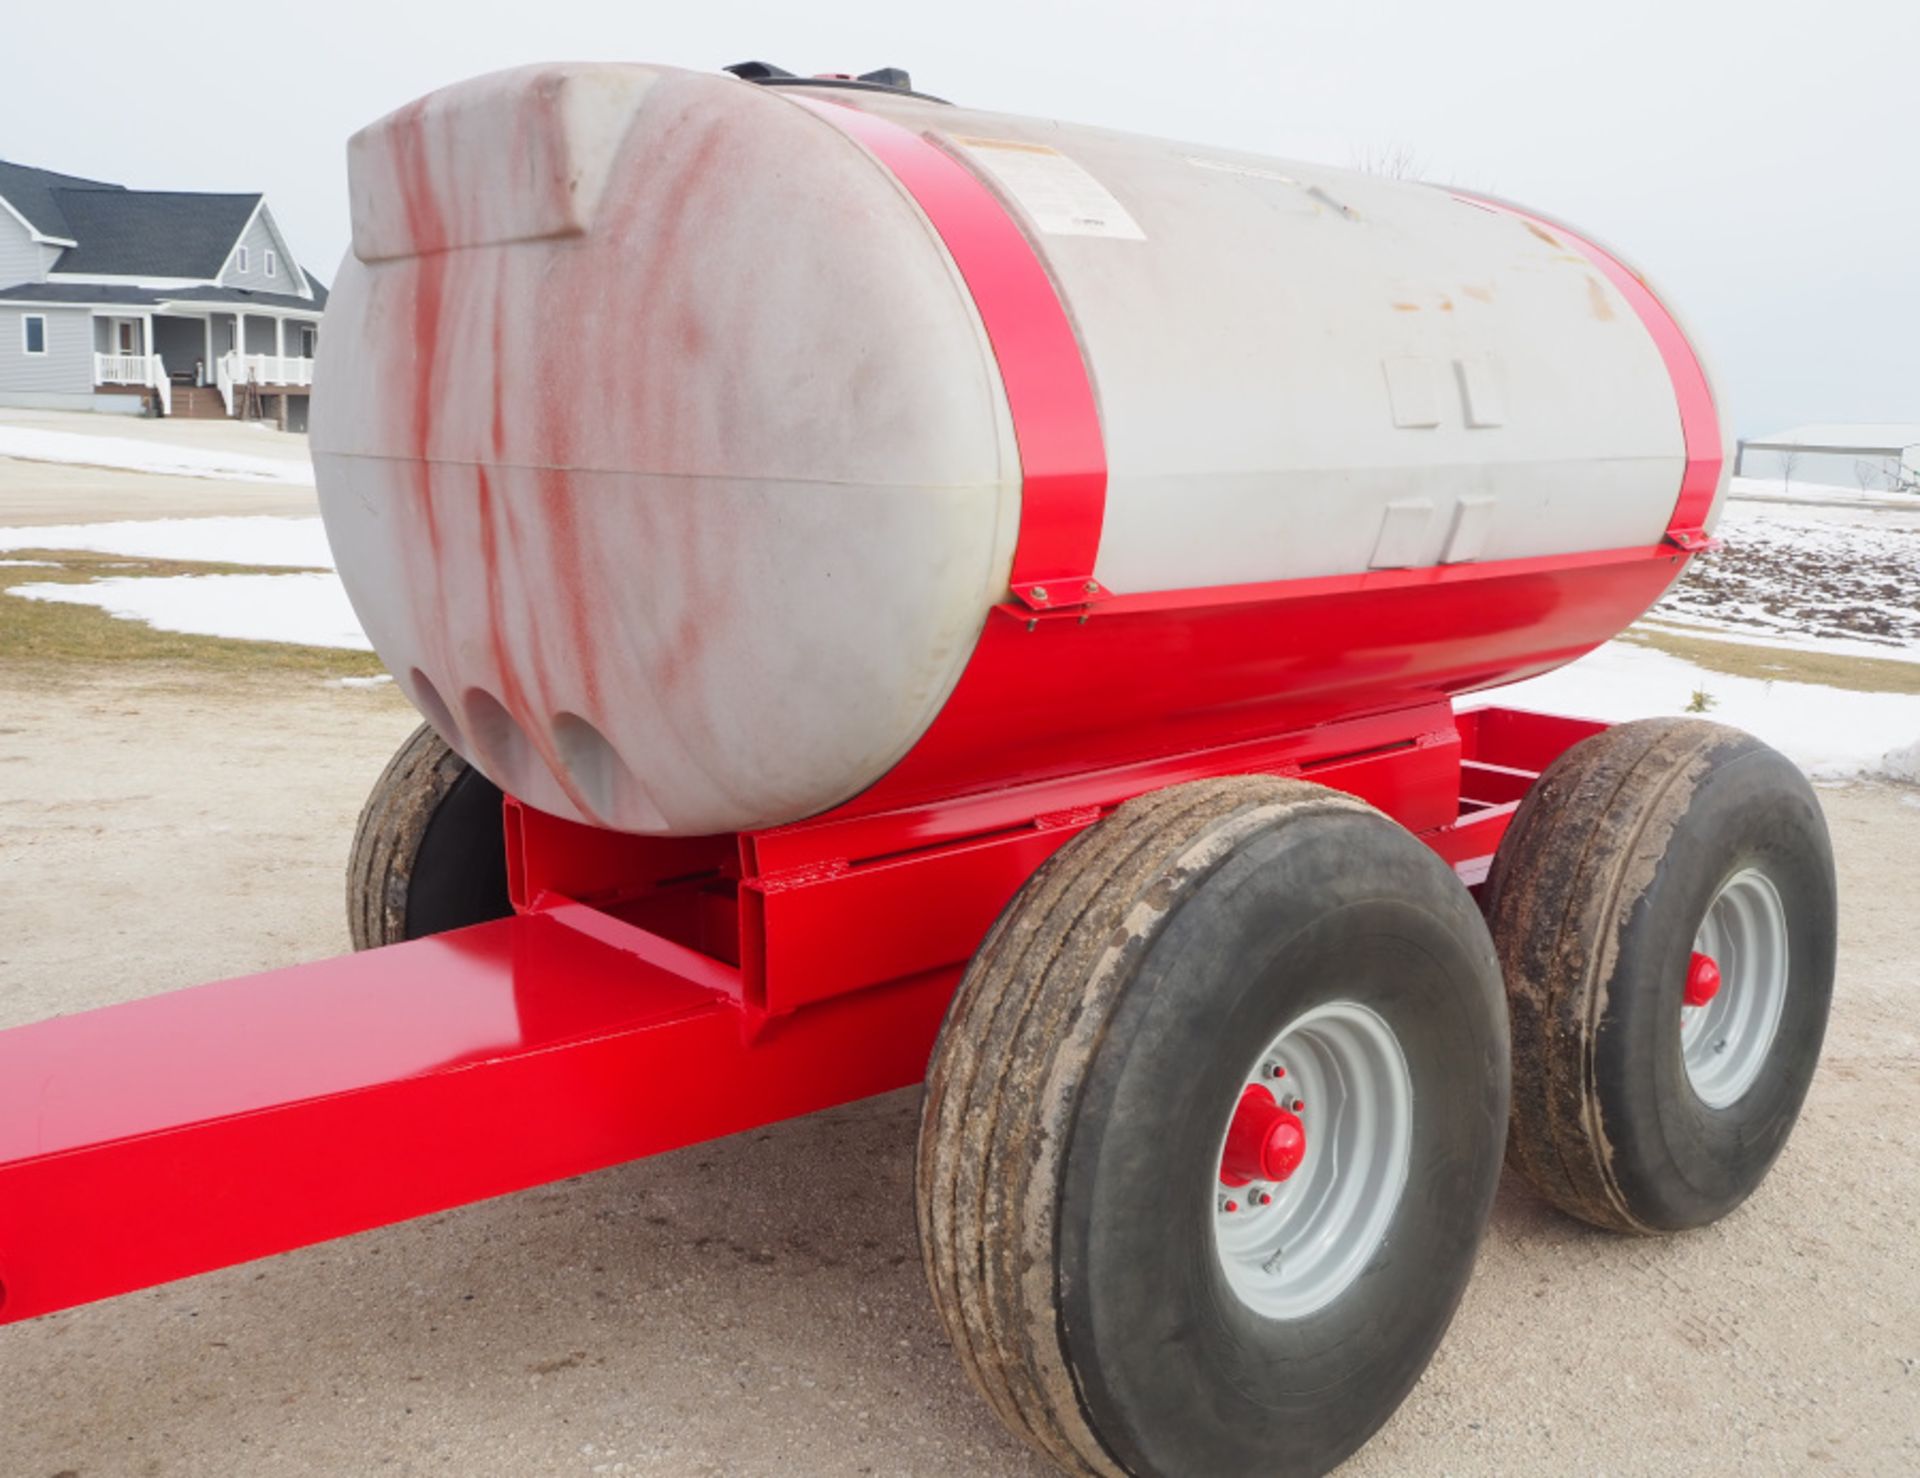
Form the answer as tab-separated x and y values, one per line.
1760	162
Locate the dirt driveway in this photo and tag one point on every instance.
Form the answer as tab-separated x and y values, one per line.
755	1306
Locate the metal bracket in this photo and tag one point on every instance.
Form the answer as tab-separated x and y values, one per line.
1068	593
1694	541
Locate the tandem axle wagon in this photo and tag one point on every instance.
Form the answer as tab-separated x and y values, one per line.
902	593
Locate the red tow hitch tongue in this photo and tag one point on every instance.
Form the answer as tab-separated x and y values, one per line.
1264	1141
1703	981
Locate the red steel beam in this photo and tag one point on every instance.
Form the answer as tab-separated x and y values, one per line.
189	1131
169	1136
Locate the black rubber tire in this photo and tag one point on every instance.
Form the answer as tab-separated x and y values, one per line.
1595	899
430	852
1067	1158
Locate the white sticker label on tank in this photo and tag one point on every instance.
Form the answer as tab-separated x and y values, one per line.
1059	196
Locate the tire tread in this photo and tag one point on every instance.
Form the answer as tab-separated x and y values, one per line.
386	841
1023	1024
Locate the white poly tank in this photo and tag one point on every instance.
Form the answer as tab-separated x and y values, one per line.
703	455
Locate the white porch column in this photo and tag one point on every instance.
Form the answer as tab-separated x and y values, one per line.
146	330
205	377
279	347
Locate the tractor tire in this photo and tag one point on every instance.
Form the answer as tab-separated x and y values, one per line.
1122	1302
1647	1097
430	851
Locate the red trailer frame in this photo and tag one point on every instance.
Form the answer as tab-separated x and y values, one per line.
648	993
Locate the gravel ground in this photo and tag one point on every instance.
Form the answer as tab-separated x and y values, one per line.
49	492
755	1306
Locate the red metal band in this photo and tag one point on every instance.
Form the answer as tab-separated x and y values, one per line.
1699	421
1056	423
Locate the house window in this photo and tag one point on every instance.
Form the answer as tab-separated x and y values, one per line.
33	333
307	338
273	264
239	259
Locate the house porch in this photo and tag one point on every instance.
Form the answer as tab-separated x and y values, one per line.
237	362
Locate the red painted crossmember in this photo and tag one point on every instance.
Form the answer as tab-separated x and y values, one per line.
1063	458
184	1132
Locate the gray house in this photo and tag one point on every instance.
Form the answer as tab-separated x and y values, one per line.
160	302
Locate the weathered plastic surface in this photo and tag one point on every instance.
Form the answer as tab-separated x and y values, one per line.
669	467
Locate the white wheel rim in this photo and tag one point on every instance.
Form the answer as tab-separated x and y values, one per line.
1726	1042
1291	1247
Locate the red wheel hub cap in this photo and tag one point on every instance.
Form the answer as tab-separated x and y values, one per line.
1264	1141
1703	979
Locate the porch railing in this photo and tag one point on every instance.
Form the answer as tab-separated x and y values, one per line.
267	369
135	369
121	369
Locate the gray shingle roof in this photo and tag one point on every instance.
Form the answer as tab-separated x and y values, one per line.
130	296
244	295
138	233
35	193
80	292
151	233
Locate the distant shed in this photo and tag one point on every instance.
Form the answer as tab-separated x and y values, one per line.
1893	442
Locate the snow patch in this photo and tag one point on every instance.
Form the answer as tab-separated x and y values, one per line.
30	444
255	539
1902	764
1810	578
311	609
1831	733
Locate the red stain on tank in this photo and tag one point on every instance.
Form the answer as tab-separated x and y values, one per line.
513	695
427	271
549	126
666	374
497	429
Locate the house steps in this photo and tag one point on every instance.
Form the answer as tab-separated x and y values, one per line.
198	403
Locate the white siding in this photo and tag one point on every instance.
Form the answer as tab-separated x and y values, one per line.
66	367
262	236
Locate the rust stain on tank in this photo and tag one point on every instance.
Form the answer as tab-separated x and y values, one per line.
1479	294
1404	307
1542	232
1598	303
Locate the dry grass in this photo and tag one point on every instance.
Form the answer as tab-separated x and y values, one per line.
1782	664
41	633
